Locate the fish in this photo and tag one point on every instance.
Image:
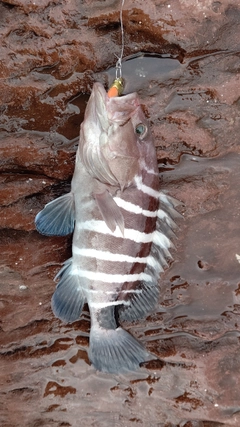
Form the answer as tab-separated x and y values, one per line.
122	227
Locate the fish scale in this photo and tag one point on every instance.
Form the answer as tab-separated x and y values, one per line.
121	226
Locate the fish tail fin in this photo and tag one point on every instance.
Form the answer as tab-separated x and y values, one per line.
115	350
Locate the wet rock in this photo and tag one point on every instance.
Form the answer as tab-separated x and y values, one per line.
51	53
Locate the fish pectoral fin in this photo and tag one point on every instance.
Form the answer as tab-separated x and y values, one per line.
57	217
68	298
110	211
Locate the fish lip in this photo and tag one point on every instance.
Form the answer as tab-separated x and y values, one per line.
98	88
99	106
101	97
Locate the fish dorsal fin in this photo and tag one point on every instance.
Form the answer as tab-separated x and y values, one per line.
144	298
110	211
57	218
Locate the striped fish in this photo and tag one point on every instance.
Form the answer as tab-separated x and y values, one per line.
122	227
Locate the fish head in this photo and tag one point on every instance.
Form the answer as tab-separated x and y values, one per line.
115	138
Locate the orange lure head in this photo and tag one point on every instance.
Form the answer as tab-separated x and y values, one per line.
117	88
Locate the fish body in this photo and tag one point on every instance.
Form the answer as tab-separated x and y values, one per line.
121	226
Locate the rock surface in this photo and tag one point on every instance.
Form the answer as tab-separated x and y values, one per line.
188	80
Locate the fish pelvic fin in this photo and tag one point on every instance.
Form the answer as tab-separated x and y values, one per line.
115	350
68	298
110	211
57	218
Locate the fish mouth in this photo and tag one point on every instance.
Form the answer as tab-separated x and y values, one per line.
117	109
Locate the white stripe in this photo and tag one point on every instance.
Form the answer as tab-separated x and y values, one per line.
109	256
107	304
110	278
131	291
145	189
99	291
150	171
137	236
130	207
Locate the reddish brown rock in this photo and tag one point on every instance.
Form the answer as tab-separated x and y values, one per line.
51	53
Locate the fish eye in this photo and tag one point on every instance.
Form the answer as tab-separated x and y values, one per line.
141	130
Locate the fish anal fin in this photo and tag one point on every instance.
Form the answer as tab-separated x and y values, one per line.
110	211
142	300
68	298
57	217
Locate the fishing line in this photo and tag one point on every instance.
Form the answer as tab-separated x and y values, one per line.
117	87
119	61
